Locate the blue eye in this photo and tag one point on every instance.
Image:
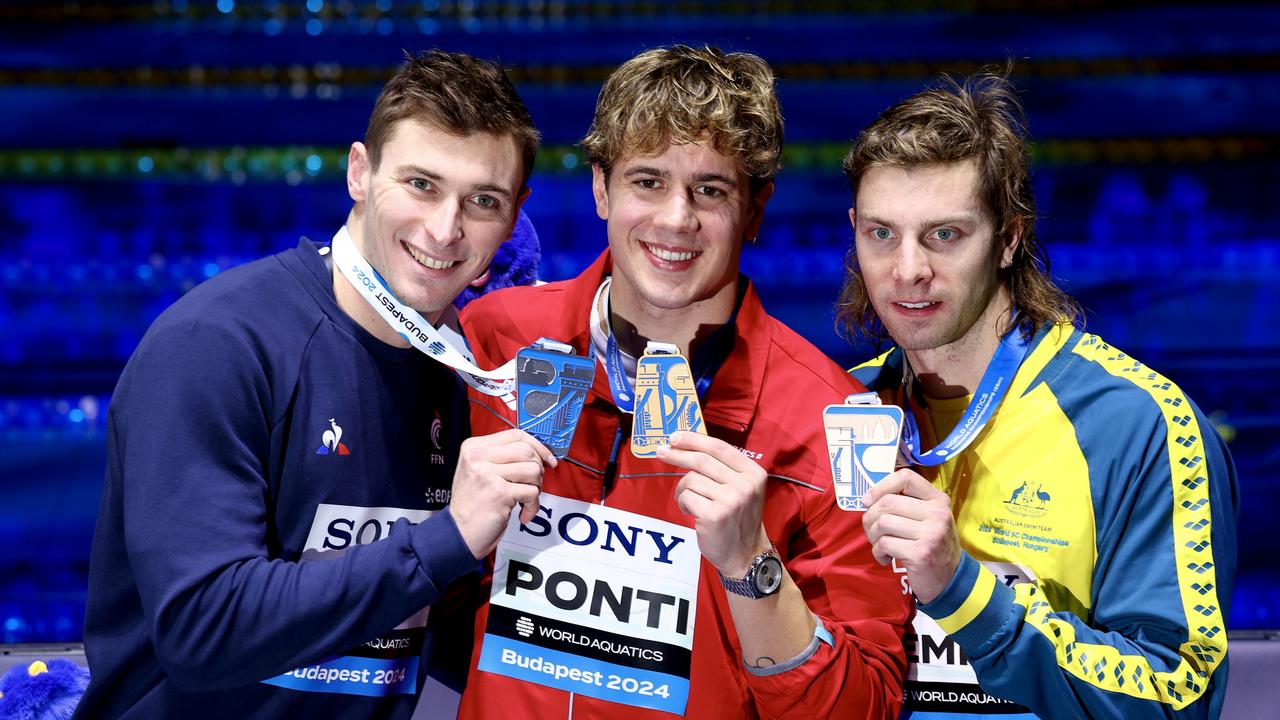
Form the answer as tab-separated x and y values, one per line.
420	184
485	201
945	234
881	233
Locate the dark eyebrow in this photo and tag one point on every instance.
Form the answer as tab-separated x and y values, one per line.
700	177
872	219
716	178
495	189
419	171
645	170
962	219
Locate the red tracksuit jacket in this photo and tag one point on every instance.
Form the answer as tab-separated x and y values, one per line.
766	399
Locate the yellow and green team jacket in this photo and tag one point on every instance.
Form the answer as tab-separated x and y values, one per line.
1097	512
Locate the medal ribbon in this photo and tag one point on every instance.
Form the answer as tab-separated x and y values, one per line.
704	364
1004	364
436	344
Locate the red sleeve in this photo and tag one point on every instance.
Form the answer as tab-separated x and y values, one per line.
866	609
864	605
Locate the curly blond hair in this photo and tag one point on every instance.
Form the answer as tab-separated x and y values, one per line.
683	95
978	118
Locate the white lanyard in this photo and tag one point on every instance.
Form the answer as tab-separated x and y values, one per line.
448	349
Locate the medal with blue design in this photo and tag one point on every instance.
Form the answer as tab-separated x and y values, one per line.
862	443
552	384
666	399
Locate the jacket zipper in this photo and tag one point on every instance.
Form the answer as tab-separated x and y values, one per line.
611	468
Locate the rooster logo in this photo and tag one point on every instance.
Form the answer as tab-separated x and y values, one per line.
331	441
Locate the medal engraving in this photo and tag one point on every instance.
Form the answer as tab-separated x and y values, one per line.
862	443
666	400
552	387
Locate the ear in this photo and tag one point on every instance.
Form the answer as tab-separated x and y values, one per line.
358	172
853	220
600	190
524	195
756	209
515	213
1012	239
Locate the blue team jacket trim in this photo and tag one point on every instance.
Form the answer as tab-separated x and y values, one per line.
1204	649
1174	675
985	625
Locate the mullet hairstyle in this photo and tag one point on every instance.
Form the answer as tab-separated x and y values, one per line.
977	118
458	94
687	95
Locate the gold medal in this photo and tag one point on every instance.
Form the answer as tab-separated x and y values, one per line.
666	399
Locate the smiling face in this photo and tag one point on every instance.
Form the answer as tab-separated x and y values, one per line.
676	223
930	259
432	214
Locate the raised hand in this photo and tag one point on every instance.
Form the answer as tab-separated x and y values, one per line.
908	519
724	493
494	474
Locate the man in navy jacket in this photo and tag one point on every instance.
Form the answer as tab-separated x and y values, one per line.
288	485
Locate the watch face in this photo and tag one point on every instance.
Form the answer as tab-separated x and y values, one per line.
768	576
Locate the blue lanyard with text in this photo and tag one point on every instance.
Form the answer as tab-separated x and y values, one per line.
705	363
995	382
622	394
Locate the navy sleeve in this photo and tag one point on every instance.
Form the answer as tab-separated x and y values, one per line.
192	423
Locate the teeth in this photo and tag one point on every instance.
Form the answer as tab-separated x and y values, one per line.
671	256
915	306
427	261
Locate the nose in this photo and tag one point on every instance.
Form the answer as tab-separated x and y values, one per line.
676	214
443	223
911	263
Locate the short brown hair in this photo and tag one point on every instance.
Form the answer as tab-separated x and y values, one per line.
456	93
685	95
978	118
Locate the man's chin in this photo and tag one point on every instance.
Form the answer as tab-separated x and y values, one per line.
914	339
427	307
668	301
675	294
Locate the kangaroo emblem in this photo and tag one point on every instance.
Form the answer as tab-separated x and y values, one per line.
1017	491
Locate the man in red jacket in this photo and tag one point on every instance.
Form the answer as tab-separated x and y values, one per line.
717	579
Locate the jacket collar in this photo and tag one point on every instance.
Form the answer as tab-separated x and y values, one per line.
887	371
731	400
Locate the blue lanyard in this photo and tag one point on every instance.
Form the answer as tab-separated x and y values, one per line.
995	382
618	384
704	363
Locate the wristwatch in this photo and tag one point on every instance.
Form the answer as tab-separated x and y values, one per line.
763	577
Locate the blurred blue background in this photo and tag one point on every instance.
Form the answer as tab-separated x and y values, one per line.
147	146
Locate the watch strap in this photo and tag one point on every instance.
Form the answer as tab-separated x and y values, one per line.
745	585
742	586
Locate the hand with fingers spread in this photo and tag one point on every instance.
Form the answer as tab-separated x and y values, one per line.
494	474
724	492
908	519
